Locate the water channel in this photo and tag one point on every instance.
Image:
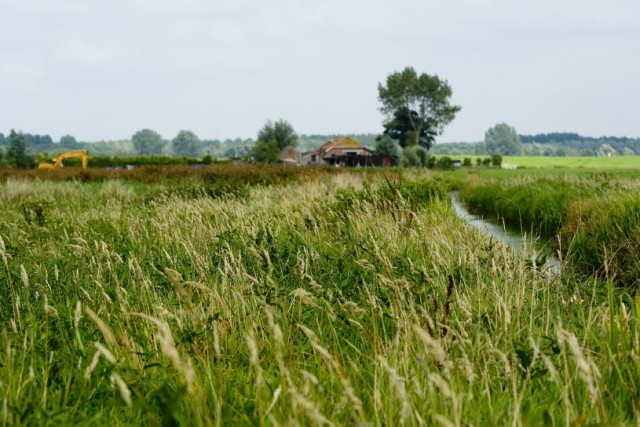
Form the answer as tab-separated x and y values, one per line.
531	248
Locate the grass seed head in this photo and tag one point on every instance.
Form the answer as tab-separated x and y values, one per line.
104	352
24	276
122	387
106	331
49	309
434	349
586	370
92	366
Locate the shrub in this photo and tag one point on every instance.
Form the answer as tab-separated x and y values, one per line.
444	163
414	156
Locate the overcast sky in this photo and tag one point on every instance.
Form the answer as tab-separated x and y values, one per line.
103	69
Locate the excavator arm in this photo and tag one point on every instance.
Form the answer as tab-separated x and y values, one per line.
75	153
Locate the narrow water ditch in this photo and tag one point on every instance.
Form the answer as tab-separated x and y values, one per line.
531	248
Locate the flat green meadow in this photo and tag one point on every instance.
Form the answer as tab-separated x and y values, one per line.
615	162
328	298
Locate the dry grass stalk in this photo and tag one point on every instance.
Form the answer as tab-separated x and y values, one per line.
587	371
434	349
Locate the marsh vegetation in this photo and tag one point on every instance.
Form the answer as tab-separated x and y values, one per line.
319	298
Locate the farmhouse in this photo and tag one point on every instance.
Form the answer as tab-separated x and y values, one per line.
344	151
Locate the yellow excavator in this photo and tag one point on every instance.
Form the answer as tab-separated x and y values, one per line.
75	153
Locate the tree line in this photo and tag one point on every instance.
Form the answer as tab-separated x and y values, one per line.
148	142
545	144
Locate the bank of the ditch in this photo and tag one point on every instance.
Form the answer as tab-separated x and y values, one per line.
594	218
537	251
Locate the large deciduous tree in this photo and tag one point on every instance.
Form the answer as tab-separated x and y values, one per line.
502	139
417	107
186	144
148	142
281	132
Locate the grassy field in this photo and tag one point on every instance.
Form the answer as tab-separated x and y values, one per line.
323	299
616	162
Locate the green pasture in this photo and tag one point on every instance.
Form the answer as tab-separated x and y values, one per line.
616	162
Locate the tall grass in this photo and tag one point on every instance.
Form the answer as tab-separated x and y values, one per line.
604	231
594	217
340	300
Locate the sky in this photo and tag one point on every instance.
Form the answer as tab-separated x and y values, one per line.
104	69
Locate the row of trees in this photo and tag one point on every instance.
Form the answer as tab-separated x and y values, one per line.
20	146
42	141
503	139
151	143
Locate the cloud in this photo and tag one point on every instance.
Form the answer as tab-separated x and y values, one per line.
21	73
87	54
184	62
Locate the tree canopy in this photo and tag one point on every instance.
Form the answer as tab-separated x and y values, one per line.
186	144
38	140
281	132
18	153
68	141
264	152
148	142
402	127
417	107
502	139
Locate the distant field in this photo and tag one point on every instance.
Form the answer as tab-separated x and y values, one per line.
566	162
574	162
